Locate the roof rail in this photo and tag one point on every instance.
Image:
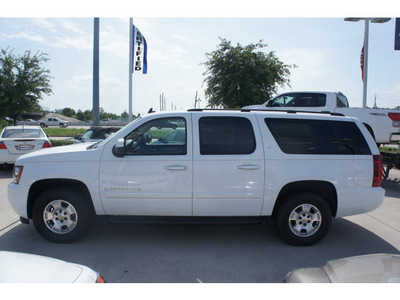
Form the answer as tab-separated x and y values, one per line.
289	111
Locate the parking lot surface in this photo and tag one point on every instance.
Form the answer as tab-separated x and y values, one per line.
246	253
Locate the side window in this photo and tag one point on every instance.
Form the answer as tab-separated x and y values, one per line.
226	136
341	101
286	100
303	136
311	100
165	136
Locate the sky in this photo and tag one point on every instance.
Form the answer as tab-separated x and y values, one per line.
325	49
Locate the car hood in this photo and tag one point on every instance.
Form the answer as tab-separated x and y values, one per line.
74	152
29	268
377	268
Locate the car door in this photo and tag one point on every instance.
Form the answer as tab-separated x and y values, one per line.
228	165
154	177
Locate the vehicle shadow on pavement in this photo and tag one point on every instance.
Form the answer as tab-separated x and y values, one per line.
131	253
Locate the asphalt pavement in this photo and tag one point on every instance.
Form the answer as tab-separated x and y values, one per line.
131	253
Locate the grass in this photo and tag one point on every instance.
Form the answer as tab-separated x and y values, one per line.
67	132
56	143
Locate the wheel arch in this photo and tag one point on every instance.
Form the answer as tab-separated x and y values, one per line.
40	186
322	188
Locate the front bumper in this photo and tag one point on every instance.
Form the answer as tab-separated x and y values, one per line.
18	197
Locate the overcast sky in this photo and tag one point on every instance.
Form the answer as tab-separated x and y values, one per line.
326	50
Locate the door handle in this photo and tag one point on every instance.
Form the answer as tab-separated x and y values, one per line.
248	167
176	168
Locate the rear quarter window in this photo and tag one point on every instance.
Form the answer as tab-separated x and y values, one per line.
304	136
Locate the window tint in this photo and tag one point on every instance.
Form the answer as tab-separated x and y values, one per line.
226	135
341	101
299	100
298	136
165	136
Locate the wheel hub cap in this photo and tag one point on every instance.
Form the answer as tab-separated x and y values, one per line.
305	220
60	216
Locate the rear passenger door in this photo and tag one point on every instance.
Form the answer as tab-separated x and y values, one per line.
228	165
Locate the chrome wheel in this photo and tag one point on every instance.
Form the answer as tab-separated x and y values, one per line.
60	216
305	220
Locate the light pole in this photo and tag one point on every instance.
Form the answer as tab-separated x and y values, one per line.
365	58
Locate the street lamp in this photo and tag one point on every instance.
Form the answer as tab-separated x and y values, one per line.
366	35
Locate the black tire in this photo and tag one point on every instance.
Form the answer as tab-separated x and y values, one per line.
303	219
62	214
42	125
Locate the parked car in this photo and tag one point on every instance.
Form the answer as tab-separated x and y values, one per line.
16	267
96	134
301	169
18	140
373	268
53	122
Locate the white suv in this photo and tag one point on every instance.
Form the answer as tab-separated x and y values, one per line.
300	168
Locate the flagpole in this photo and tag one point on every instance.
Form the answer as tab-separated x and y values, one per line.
365	74
130	66
96	84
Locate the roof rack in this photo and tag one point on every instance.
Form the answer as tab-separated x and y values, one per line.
289	111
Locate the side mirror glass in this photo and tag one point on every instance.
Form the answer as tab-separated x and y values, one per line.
119	148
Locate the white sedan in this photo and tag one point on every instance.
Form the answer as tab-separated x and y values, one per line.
18	267
18	140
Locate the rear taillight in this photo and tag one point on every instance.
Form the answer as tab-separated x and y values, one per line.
394	116
46	144
2	146
378	170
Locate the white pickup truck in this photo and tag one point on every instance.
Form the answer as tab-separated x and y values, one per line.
383	124
53	122
302	169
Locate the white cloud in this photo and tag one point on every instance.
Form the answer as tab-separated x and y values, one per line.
27	36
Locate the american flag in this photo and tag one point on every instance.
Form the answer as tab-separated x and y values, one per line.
362	63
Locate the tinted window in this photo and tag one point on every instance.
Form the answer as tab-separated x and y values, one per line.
165	136
226	135
299	100
298	136
341	101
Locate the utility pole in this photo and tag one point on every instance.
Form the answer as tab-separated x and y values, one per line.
196	100
96	85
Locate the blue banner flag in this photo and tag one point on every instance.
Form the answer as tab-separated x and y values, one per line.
397	35
139	53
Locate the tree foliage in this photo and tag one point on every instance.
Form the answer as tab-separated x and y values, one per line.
240	76
23	82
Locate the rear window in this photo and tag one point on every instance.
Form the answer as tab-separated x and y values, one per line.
226	136
304	136
22	133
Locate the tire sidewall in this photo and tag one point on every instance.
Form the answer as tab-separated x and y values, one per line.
284	211
76	200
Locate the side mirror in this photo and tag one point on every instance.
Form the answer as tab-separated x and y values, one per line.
119	148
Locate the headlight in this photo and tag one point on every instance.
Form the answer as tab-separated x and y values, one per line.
17	173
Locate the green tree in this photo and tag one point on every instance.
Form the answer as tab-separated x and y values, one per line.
240	76
23	82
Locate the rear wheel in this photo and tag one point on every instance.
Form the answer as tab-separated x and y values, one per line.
61	215
303	219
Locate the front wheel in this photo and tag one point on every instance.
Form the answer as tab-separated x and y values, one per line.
61	215
303	219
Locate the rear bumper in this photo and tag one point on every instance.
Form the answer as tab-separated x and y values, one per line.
357	201
395	137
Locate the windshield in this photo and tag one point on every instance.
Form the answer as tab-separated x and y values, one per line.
107	140
23	133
